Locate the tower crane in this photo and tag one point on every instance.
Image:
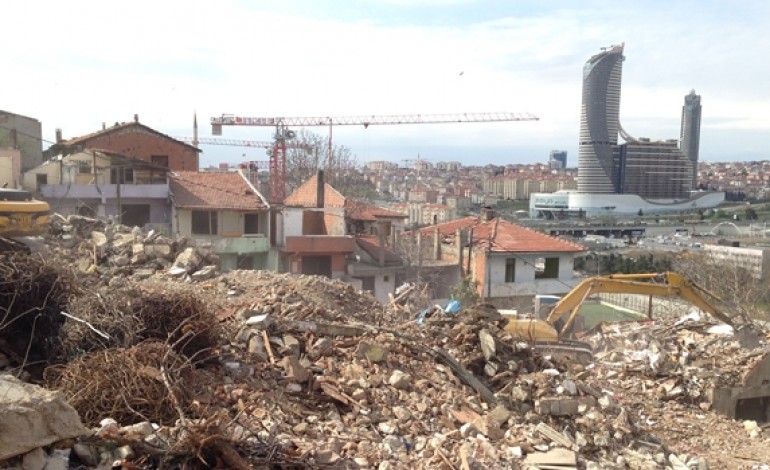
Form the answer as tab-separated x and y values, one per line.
284	134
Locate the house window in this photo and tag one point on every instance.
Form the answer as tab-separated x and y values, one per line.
204	223
41	180
547	268
122	175
135	215
510	270
84	168
251	223
367	283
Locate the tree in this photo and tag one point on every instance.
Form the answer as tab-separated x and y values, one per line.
466	291
310	153
743	294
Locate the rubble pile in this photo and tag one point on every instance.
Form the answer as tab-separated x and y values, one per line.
294	297
113	253
253	368
459	394
666	372
686	359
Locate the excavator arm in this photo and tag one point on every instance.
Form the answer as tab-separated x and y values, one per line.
667	284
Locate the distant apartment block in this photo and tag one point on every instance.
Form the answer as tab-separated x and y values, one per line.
755	260
448	166
517	188
557	160
381	165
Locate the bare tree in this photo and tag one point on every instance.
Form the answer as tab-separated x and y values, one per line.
743	294
309	153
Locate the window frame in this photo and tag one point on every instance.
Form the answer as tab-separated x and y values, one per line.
212	220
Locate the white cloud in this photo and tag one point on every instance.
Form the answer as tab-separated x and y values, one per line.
77	64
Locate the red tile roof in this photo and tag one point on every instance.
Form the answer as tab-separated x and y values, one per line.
119	127
214	190
505	237
357	210
307	195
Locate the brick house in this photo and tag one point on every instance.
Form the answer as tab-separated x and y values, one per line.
137	141
323	233
223	210
510	263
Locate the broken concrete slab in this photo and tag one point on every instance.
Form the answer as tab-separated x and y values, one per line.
36	416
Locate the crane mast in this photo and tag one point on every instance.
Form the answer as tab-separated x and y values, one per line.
283	134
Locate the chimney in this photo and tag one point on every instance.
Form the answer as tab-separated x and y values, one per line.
436	244
58	136
459	247
104	125
381	233
136	118
320	189
487	214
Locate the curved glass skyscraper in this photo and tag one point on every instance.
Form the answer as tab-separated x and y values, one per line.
599	124
690	133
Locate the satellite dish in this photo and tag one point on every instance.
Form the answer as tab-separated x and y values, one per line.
269	152
291	134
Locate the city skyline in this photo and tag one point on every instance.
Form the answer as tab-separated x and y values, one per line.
301	58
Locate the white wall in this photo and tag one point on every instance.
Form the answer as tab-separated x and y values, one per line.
292	223
525	282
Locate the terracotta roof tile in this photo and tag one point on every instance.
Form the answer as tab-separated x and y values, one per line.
357	210
214	190
307	195
505	236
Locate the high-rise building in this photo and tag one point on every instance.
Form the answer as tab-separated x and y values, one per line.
690	134
653	169
558	159
599	123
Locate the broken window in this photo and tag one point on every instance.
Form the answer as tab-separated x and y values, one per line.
510	270
122	175
251	223
547	268
204	223
40	180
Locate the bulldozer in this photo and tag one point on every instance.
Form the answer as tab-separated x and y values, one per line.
21	215
552	333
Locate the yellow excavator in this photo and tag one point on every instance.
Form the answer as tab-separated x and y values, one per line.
551	333
21	215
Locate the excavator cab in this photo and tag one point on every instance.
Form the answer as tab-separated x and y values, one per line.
21	215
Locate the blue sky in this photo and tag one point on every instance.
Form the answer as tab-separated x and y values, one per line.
76	64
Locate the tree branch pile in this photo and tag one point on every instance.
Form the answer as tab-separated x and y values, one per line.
33	292
105	320
179	317
125	384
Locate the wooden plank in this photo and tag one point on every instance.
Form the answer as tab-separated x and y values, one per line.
466	376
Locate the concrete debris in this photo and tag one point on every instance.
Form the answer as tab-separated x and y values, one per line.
33	417
315	373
